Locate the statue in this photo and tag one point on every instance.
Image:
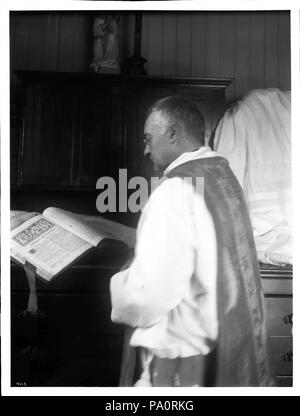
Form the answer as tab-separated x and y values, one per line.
105	31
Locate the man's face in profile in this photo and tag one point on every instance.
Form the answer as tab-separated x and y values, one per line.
158	148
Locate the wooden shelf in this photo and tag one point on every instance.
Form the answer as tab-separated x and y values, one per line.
54	76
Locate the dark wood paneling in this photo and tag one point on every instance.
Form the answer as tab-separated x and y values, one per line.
66	42
252	47
198	44
145	36
227	50
51	35
36	44
47	135
21	40
78	128
169	44
92	135
129	34
242	57
213	45
12	42
257	50
155	43
284	52
271	50
51	41
183	63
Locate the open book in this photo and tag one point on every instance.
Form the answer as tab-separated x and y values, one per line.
55	239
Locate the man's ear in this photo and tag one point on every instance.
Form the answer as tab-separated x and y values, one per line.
172	133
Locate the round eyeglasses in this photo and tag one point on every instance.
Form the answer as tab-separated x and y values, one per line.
147	139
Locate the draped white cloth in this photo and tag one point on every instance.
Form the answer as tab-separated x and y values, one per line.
254	135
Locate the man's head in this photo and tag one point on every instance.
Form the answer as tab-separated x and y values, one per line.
173	126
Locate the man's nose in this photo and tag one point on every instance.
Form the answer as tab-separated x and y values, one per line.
147	150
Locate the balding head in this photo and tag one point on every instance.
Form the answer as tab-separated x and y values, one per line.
173	126
184	115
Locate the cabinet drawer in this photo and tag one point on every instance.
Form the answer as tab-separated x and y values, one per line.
281	349
275	286
284	381
280	316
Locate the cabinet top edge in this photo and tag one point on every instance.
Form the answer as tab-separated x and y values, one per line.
27	75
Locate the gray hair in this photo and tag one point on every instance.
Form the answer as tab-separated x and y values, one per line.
180	110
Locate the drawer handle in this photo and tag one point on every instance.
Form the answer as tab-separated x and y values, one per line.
288	319
287	356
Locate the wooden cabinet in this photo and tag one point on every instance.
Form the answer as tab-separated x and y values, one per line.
72	341
65	136
77	127
277	285
47	135
91	145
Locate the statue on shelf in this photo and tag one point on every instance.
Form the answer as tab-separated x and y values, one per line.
105	32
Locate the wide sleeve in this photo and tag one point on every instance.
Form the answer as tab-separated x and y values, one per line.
160	273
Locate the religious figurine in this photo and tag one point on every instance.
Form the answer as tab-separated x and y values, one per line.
105	31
